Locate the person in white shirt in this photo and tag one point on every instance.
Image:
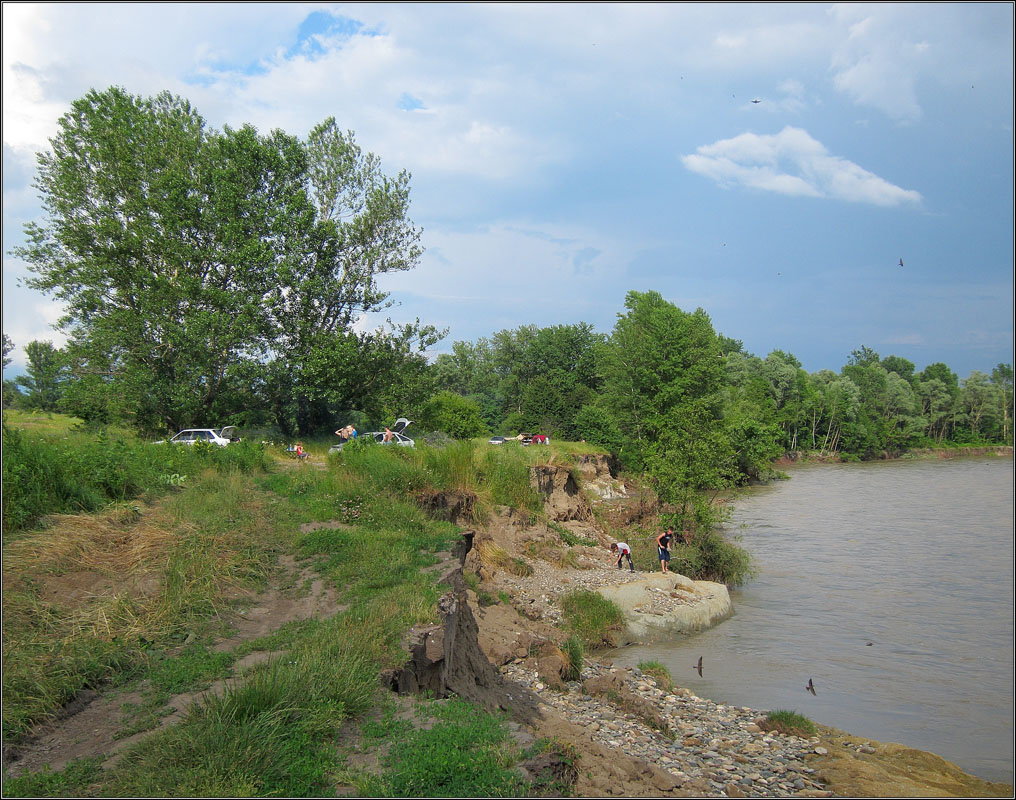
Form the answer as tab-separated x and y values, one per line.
623	551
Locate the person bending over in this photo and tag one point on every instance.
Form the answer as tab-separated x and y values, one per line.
623	551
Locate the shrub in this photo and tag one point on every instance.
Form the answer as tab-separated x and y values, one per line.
659	673
592	617
788	722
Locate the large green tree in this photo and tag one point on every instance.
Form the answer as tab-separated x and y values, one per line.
208	273
663	380
361	230
162	238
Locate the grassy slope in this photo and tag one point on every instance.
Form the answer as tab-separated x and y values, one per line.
162	571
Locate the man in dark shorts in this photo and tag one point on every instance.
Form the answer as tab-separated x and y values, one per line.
663	542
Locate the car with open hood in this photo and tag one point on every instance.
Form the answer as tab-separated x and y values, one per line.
398	436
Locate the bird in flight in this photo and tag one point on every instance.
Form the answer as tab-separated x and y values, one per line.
756	101
698	666
810	687
901	262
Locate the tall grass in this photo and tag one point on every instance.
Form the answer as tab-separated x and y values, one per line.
78	471
148	583
269	733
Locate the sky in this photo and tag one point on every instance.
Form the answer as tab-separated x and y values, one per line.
563	155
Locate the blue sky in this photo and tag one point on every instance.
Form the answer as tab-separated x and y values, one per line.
563	155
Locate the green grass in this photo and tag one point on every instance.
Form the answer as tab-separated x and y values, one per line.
659	673
198	547
59	469
594	619
575	650
466	752
67	782
788	722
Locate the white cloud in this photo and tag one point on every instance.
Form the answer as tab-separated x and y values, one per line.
792	162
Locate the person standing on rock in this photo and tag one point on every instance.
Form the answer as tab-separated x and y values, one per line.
623	551
663	541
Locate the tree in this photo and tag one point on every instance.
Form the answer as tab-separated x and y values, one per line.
454	414
161	238
8	347
360	230
1002	377
663	380
45	378
981	405
197	264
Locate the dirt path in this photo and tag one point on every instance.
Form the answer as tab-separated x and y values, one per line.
90	725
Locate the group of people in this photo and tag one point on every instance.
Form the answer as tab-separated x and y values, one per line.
347	433
623	551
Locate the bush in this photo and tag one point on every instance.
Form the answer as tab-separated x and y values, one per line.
592	617
788	722
710	557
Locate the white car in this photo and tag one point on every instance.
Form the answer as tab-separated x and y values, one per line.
210	435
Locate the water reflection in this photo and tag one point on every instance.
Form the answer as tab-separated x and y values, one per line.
914	557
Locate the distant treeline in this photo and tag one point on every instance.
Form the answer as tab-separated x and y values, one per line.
571	382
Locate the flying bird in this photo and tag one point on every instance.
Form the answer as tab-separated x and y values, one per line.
810	687
901	262
698	666
756	101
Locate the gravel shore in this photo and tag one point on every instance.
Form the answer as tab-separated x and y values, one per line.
716	750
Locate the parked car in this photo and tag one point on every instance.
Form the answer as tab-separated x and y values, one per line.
398	437
221	437
496	440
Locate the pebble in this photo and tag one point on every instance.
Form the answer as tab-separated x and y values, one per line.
718	746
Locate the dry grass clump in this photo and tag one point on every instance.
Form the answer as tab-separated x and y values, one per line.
493	556
107	543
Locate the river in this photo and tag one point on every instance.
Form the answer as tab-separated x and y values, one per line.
888	584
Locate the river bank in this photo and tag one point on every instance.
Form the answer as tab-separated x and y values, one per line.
816	457
706	748
718	749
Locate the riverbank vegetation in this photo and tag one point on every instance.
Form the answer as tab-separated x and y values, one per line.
132	603
788	722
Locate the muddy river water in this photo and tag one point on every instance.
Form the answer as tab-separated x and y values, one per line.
890	586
